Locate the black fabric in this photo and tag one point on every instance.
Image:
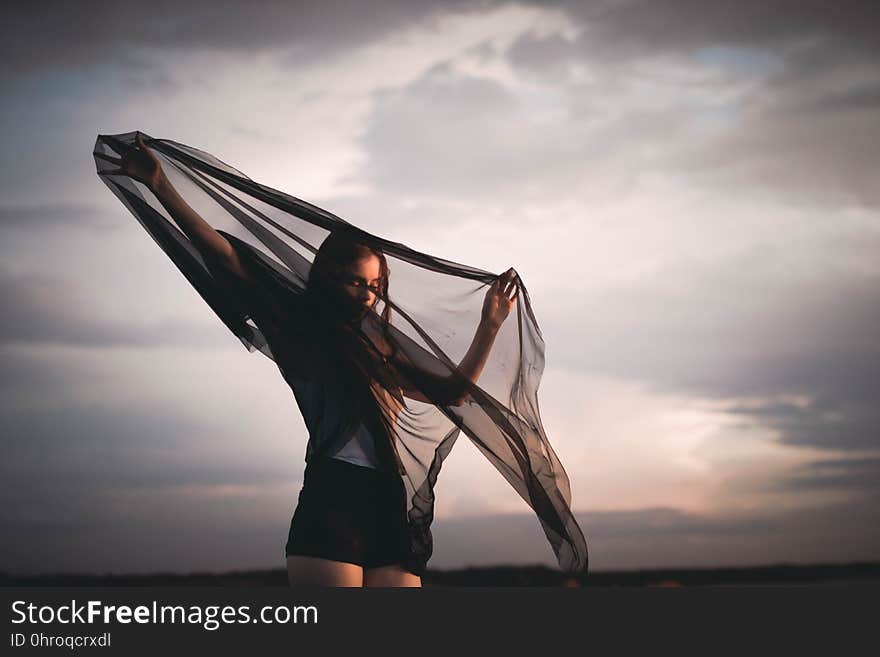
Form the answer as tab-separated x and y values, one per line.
352	513
395	371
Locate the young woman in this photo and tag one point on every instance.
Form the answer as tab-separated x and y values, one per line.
350	378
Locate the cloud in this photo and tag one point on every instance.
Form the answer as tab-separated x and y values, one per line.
101	487
456	135
796	87
858	475
668	537
43	308
808	149
768	324
37	217
573	120
200	536
447	135
635	26
826	420
40	39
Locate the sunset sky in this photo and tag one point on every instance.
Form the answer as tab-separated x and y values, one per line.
689	190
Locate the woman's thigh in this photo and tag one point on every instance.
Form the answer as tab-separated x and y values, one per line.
316	571
393	575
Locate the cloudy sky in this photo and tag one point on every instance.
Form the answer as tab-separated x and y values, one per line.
688	188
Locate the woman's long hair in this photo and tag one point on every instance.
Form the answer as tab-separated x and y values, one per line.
343	351
338	251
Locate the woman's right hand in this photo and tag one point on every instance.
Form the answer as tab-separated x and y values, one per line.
139	163
500	298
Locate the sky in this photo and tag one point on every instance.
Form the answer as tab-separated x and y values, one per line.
687	188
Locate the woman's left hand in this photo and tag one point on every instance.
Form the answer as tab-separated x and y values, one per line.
500	298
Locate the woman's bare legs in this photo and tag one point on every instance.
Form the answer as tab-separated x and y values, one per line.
315	571
390	576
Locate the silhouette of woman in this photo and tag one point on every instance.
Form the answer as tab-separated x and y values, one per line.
382	403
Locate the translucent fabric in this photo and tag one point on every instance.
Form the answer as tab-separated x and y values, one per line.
396	373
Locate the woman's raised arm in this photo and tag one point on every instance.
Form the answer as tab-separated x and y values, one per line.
141	164
423	385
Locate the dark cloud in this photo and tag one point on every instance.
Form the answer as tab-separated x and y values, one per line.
65	36
857	99
830	421
643	538
105	487
636	26
27	381
810	37
44	308
39	37
667	537
142	448
547	55
853	475
793	152
58	215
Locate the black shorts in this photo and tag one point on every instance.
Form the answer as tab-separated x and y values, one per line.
352	513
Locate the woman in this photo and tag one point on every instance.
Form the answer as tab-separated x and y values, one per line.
383	402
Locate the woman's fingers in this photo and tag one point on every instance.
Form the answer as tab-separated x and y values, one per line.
153	157
507	284
140	142
123	149
510	284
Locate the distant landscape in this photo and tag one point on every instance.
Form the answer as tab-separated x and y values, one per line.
778	574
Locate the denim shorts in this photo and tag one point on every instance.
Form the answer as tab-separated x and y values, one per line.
352	513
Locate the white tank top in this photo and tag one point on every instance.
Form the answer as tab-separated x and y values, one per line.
360	449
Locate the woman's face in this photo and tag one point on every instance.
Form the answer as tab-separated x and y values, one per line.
360	281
